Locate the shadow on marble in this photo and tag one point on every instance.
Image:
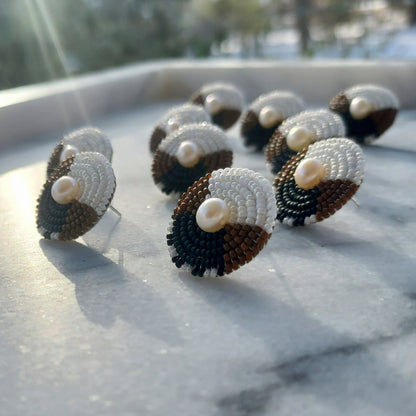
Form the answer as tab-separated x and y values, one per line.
125	236
320	368
106	292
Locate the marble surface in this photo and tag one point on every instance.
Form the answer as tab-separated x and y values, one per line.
322	322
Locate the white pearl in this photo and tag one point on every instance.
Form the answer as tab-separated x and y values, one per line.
212	104
172	125
67	152
212	215
309	173
188	154
269	116
65	190
360	108
298	138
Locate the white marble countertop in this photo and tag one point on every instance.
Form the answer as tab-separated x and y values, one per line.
322	322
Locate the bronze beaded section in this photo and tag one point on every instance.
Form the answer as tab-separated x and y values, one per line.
193	197
162	163
333	196
197	98
242	242
174	178
248	122
157	136
226	117
383	119
340	104
277	152
80	218
54	160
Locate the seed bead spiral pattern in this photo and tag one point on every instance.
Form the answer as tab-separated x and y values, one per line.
384	103
95	177
87	139
250	199
284	102
232	102
323	124
173	178
183	114
343	161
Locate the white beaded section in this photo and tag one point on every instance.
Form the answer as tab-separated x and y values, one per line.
322	123
379	97
89	139
209	139
96	179
248	194
184	114
342	158
228	94
284	102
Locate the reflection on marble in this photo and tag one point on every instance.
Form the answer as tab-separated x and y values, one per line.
322	322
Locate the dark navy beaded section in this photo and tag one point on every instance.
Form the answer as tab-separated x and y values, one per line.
51	216
200	250
254	135
177	178
294	202
368	128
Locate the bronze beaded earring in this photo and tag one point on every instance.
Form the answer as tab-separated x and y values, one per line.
265	114
175	118
318	181
368	110
189	153
87	139
221	222
298	132
75	196
223	102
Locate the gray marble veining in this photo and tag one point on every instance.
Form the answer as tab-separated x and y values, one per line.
322	322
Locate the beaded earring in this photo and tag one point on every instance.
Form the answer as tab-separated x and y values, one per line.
188	154
221	222
298	132
318	181
86	139
265	114
75	196
223	102
175	118
368	110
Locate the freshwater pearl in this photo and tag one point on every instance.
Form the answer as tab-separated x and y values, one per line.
298	138
68	151
212	104
212	215
172	125
309	173
360	108
188	154
269	116
65	190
